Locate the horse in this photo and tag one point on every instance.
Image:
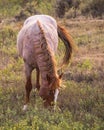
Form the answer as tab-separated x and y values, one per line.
37	43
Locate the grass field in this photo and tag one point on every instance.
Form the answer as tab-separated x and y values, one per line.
80	105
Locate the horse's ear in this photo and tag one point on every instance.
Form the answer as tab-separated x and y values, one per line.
60	76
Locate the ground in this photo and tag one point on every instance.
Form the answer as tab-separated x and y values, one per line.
80	105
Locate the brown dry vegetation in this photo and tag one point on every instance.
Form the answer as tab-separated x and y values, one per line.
80	104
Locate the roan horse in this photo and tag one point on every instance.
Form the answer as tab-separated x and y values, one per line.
37	43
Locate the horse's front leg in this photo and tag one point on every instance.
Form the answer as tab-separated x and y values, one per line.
28	85
37	78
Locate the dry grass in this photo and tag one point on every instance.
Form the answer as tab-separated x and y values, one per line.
81	103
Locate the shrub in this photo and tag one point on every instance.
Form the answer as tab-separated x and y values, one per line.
93	7
29	9
61	7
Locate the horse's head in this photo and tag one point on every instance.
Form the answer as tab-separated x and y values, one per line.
50	92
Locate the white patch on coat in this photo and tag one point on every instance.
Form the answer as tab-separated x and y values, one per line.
25	107
56	95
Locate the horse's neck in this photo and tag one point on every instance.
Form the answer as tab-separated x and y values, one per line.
45	61
44	57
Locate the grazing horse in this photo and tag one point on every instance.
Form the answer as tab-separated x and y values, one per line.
37	43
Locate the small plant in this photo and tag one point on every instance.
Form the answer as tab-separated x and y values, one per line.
80	105
86	65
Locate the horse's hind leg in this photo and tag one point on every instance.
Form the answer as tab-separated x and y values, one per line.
37	78
28	85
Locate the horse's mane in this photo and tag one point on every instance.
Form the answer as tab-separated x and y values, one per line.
51	63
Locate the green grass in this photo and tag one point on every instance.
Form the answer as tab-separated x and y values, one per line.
10	9
80	109
80	105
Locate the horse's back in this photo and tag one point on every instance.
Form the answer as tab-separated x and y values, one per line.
30	35
44	19
49	27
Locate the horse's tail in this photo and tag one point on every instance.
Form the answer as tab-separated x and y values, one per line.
68	42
